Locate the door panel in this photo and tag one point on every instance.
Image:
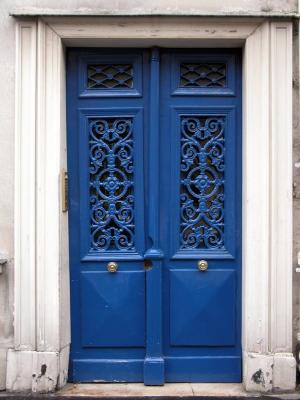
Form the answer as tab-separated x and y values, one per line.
154	163
200	213
104	322
106	130
202	308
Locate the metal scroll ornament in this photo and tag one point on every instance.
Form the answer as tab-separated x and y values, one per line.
202	182
111	184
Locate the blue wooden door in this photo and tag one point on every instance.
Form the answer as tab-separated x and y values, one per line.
154	162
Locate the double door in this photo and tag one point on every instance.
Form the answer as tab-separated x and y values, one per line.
154	163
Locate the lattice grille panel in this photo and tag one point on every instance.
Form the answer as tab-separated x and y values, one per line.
203	75
110	76
111	184
202	182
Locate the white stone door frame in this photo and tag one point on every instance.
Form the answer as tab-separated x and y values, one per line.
39	360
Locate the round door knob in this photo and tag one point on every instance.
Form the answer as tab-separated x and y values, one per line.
202	265
112	267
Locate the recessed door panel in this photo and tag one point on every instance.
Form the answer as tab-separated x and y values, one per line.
202	311
113	309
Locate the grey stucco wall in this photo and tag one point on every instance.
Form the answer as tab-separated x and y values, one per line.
140	7
7	97
296	191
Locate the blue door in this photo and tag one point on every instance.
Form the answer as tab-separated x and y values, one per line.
154	163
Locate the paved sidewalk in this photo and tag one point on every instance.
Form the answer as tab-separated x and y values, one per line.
137	391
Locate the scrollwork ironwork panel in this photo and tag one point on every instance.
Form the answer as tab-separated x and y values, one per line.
203	75
110	76
111	184
202	182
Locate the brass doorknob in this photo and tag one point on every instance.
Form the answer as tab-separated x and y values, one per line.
202	265
112	266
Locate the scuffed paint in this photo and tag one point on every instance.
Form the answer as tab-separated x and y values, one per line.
258	372
258	377
43	382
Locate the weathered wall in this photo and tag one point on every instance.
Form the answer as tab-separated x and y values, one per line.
7	45
7	87
140	7
296	192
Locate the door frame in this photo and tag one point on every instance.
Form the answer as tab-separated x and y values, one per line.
42	311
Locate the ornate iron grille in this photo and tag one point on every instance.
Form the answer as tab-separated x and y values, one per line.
111	184
202	182
110	76
203	75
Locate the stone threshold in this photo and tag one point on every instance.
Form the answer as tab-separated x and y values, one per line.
137	391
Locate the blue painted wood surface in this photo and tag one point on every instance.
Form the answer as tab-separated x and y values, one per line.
154	162
154	361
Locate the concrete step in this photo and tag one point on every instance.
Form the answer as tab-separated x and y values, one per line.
137	391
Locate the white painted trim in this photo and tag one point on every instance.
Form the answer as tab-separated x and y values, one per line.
258	372
284	372
25	198
267	319
42	322
41	372
281	230
172	32
144	28
49	151
256	191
